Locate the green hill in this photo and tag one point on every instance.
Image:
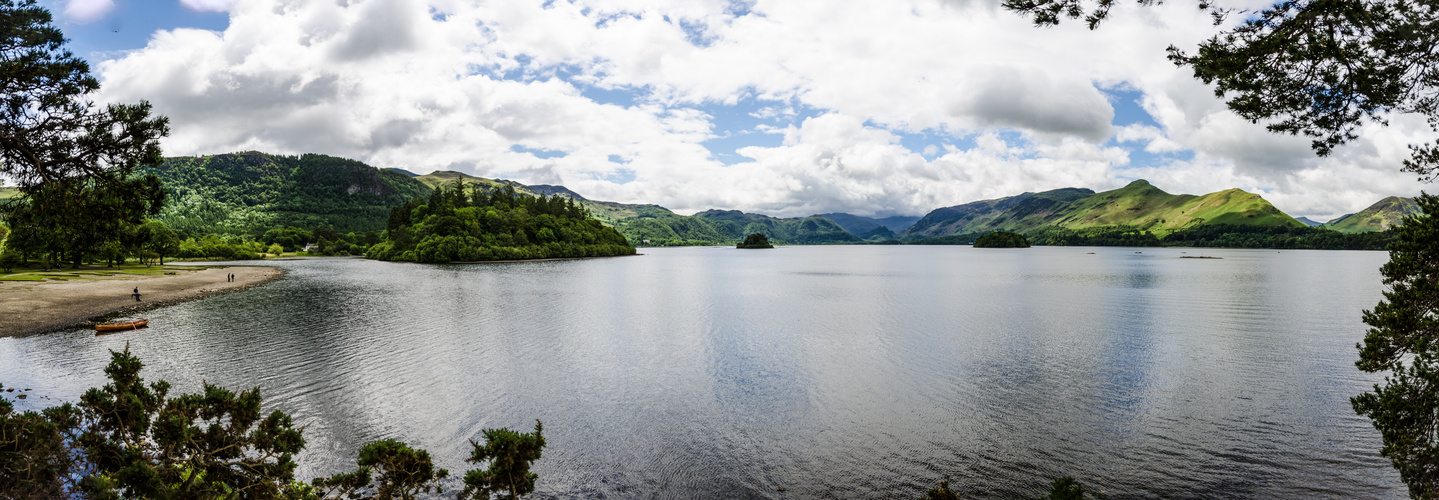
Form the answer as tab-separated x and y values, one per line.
1385	214
1014	213
249	192
1138	206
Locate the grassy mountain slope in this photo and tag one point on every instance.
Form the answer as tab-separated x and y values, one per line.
251	191
1385	214
1014	213
1138	205
1145	207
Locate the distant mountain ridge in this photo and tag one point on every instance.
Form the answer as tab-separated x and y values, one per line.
1382	215
859	225
250	191
1138	205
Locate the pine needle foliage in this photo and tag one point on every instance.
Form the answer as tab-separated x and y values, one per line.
1403	343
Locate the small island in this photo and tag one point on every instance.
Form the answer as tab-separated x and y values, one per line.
755	240
1002	239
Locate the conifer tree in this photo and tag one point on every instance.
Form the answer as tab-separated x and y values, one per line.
1403	343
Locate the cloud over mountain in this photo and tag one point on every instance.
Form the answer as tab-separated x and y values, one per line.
786	107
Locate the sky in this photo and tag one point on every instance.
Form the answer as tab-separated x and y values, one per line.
782	107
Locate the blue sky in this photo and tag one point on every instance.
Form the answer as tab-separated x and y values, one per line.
782	107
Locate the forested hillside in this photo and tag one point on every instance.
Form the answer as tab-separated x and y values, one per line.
247	193
468	222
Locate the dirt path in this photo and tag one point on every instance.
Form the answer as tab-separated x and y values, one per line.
34	307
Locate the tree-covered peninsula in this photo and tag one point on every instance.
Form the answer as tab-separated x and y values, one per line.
1001	239
459	223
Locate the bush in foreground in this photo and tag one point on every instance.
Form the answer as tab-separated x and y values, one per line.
130	439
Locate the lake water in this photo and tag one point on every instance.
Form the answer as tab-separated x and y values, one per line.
828	371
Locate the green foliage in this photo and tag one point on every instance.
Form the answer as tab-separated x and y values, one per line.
128	439
131	439
34	459
250	192
1001	239
510	455
459	223
1094	236
219	248
292	239
158	239
1403	343
953	239
388	469
73	218
50	128
755	240
11	258
1236	236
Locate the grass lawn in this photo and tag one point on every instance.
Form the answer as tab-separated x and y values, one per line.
91	272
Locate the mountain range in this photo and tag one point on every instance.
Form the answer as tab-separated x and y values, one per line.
250	191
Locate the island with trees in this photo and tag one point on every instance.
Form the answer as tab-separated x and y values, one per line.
755	240
1002	239
459	223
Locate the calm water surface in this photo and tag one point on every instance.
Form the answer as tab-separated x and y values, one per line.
831	372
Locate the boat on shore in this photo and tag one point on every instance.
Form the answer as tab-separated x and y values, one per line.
121	325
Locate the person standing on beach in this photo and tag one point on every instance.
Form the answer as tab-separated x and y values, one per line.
137	294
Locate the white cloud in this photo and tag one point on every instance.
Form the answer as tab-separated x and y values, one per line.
88	10
452	84
208	5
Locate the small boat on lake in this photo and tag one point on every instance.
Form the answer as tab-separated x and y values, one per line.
122	324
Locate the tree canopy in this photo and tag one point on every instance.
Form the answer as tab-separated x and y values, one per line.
756	240
459	223
1318	68
50	130
73	160
1001	239
1403	343
133	439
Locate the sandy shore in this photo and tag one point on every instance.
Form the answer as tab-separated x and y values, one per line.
34	307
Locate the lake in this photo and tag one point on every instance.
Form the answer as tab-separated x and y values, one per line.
828	371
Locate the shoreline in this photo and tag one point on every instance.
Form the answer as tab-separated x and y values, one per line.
31	308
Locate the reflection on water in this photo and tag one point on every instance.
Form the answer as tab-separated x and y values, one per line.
846	372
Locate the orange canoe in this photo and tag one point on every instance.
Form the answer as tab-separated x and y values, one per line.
129	324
